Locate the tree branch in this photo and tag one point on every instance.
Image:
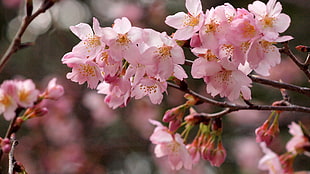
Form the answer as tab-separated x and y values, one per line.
280	85
234	107
16	42
302	66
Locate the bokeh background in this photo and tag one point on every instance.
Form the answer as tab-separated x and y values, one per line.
82	135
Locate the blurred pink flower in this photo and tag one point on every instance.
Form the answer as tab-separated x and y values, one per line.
170	145
270	161
298	139
53	90
99	111
11	3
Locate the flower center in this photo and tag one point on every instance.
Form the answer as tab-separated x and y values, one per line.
123	39
87	70
164	51
191	20
212	27
92	42
223	77
268	21
148	89
248	30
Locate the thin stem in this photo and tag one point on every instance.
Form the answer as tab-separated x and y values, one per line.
280	85
302	66
234	107
16	42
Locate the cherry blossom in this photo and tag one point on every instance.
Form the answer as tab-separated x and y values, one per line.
170	145
221	77
187	24
53	90
298	139
90	44
83	70
121	38
117	91
151	87
269	18
270	161
27	93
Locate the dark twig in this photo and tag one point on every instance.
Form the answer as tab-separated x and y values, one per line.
16	42
235	107
302	66
217	114
280	85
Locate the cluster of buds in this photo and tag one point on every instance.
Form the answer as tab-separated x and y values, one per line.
268	131
5	145
207	144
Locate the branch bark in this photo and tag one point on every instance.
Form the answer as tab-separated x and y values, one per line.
16	42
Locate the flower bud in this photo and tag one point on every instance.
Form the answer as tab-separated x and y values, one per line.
218	156
53	91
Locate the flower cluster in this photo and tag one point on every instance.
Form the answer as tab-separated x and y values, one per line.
230	43
22	94
124	62
298	144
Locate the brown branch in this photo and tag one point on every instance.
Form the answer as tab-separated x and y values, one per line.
234	107
280	85
11	156
302	66
16	42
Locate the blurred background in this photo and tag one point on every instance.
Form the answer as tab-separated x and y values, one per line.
82	135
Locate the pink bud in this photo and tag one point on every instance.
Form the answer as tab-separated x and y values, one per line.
218	155
53	90
261	133
6	148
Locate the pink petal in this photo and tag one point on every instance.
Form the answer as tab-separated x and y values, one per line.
122	26
82	30
194	7
176	21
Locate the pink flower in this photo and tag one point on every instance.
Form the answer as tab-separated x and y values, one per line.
83	70
121	38
151	87
270	161
170	145
187	24
216	25
90	44
298	139
262	56
7	105
53	90
27	93
117	91
269	18
164	50
221	77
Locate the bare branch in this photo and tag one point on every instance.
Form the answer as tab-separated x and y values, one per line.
234	107
303	67
16	42
280	85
